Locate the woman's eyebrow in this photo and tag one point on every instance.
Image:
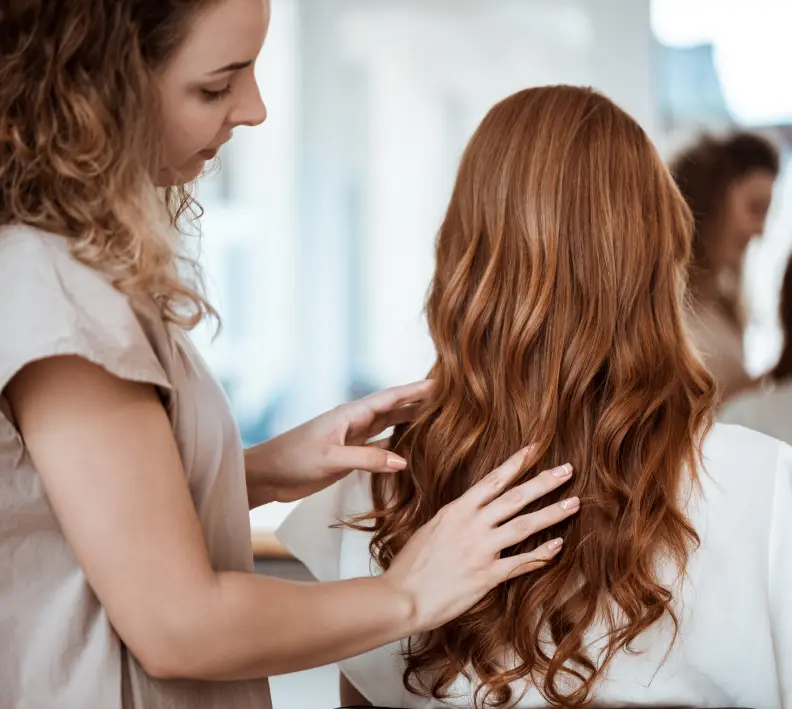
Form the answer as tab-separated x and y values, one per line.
236	66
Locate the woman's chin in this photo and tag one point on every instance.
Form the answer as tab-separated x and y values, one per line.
176	177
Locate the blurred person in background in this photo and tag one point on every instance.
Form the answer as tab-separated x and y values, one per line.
769	409
557	316
728	184
125	553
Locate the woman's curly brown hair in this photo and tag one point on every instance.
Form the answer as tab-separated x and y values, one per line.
80	139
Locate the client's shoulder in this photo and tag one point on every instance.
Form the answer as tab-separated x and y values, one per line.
727	443
742	461
355	493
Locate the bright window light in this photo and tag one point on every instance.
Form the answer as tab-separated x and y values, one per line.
751	48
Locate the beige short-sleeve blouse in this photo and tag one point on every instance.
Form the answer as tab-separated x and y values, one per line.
58	649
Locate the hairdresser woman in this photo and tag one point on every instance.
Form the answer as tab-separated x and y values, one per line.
125	559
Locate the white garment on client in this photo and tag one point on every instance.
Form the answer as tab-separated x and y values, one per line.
734	646
767	410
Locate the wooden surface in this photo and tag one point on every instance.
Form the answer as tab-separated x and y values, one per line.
265	546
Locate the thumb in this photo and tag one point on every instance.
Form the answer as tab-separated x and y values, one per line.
370	458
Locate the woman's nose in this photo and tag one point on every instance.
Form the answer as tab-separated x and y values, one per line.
251	112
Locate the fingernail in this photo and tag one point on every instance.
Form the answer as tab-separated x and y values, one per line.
555	544
563	471
570	504
396	462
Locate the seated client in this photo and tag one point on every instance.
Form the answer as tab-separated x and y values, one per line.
556	311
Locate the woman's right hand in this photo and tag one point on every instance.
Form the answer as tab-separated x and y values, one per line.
454	560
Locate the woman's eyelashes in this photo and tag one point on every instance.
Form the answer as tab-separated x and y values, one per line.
212	95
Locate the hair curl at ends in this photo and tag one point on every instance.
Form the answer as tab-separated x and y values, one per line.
79	140
556	313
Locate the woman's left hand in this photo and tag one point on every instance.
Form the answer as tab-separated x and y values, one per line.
324	450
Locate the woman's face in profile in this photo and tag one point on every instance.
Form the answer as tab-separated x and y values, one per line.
209	87
747	203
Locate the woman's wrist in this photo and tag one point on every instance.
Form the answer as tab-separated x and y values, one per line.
258	497
398	605
260	490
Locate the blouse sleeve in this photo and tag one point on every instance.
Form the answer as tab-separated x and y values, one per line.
51	304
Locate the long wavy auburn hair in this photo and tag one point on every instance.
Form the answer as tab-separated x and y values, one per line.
80	131
557	315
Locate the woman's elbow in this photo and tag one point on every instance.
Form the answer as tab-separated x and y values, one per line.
171	650
156	669
165	658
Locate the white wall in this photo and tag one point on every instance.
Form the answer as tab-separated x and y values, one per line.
434	69
249	249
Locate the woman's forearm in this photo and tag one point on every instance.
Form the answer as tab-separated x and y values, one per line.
250	626
260	491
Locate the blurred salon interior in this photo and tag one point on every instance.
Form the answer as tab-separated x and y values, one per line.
319	226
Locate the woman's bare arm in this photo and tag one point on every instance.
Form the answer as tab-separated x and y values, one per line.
106	453
109	463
